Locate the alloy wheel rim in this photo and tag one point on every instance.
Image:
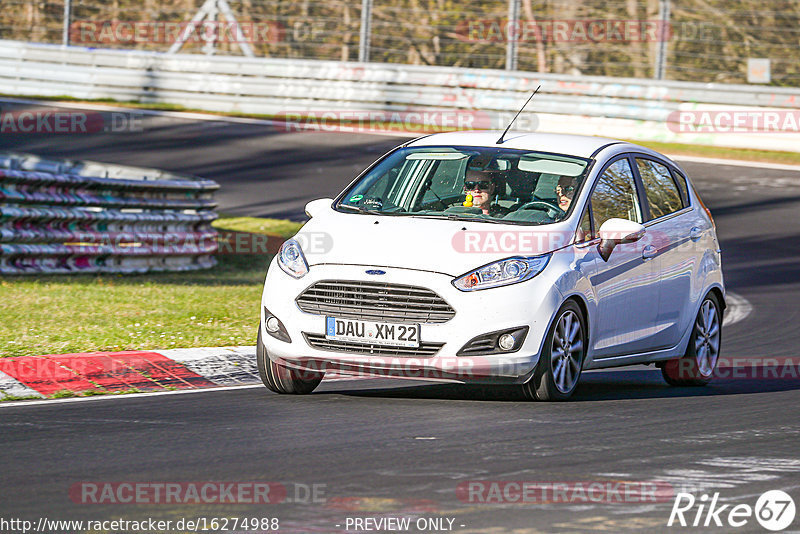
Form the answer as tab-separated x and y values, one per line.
566	353
706	342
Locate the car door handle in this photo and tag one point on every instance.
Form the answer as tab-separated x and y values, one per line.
695	234
649	252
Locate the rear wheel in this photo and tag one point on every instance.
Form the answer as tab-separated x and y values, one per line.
282	379
696	367
559	368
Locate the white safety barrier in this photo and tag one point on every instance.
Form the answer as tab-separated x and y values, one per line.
68	216
746	116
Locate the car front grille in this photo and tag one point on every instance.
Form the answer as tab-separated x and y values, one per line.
319	341
375	301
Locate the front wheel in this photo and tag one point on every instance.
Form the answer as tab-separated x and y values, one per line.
282	379
559	368
696	367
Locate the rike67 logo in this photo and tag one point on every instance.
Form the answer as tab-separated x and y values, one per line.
774	510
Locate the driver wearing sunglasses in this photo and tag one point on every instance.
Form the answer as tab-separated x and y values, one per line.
482	185
565	190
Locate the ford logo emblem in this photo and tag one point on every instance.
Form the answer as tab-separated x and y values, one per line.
376	271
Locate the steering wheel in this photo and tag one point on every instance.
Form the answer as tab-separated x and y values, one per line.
543	205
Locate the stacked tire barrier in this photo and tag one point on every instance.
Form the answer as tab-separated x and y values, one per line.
70	217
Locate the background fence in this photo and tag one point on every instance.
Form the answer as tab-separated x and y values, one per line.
702	40
67	217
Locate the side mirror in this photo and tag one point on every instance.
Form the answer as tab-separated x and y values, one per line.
617	231
318	207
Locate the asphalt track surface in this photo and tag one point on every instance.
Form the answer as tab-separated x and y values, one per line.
400	449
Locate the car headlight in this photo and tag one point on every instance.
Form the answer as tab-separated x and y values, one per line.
502	273
292	260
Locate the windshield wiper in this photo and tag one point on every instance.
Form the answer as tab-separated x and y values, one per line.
359	209
448	216
456	217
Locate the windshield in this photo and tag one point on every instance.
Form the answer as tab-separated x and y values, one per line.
475	183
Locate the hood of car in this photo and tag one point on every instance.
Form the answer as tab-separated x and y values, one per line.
445	246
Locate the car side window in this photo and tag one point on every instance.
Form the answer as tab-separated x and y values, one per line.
584	231
662	193
615	196
680	179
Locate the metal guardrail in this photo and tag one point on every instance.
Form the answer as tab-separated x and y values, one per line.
275	86
59	216
269	85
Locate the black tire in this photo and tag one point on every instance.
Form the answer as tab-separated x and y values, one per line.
545	384
694	369
282	379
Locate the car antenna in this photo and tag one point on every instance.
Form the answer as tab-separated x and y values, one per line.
500	141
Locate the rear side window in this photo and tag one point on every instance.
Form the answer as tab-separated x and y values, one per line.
662	193
584	232
681	181
614	195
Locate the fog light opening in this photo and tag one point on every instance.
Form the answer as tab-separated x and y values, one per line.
273	325
506	342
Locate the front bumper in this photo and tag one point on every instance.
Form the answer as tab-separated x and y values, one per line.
531	303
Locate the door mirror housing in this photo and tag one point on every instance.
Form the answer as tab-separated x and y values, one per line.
318	207
618	231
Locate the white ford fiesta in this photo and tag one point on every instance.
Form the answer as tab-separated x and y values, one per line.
469	257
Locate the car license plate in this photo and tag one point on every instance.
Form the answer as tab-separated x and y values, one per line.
391	334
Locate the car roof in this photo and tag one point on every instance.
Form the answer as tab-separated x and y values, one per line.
584	146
